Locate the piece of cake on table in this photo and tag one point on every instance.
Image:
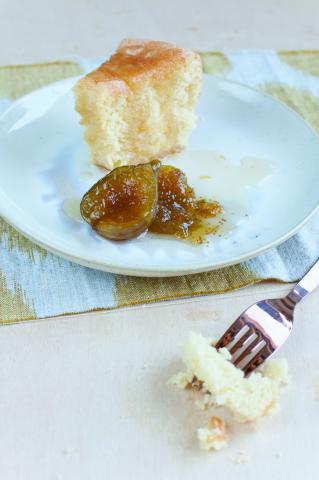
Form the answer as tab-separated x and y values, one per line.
139	105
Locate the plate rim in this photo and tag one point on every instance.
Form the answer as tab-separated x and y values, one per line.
154	270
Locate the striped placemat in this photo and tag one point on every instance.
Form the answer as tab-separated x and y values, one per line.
36	284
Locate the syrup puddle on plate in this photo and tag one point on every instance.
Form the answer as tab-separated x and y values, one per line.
234	184
71	208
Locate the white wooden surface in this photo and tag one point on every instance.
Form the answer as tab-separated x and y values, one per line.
41	30
84	397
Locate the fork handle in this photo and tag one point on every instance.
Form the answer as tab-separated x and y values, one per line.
306	285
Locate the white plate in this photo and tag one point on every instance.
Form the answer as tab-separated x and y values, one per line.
258	157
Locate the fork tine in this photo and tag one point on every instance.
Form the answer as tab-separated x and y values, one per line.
257	359
230	333
241	341
248	350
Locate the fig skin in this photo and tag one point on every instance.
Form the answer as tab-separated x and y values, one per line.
123	204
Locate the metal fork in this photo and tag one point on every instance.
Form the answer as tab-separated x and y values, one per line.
265	326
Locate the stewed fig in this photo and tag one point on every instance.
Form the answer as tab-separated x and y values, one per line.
179	212
122	205
176	203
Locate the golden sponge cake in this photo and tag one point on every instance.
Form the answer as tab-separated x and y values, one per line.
140	103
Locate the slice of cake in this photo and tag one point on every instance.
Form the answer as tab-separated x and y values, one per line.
139	105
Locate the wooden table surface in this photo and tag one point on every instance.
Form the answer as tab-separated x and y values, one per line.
74	406
42	30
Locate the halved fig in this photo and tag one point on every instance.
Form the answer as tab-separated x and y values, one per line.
179	212
176	203
122	205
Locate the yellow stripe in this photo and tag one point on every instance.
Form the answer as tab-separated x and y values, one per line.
17	80
13	306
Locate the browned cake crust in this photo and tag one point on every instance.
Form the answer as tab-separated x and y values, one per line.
136	60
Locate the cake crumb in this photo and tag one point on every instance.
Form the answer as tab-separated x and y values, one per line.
218	383
180	380
247	398
214	436
278	455
204	402
242	458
